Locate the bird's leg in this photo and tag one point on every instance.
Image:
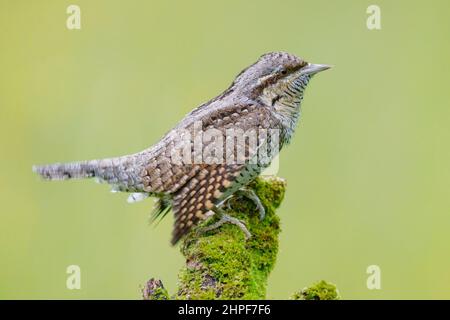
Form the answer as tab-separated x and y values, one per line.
225	218
251	195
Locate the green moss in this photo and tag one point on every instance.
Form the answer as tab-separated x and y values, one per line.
321	290
222	264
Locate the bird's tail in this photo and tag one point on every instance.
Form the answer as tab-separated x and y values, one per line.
121	172
64	171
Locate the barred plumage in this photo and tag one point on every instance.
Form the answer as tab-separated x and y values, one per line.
265	96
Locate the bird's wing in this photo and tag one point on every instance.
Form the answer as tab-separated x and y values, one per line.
209	184
200	195
162	174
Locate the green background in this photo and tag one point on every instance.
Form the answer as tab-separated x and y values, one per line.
368	170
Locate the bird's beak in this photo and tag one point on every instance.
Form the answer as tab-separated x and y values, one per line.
312	69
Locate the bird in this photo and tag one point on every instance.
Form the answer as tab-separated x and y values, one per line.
214	152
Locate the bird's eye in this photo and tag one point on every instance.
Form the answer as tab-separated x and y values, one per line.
283	72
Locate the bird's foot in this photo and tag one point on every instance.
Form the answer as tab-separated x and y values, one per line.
225	218
251	195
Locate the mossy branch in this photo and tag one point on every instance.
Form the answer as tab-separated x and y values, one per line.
222	264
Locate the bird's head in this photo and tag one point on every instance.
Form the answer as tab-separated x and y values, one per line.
277	79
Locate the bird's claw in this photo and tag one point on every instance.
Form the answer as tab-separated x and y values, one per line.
251	195
225	218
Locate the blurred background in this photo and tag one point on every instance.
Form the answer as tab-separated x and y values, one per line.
368	170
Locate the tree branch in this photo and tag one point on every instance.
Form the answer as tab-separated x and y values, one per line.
222	264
